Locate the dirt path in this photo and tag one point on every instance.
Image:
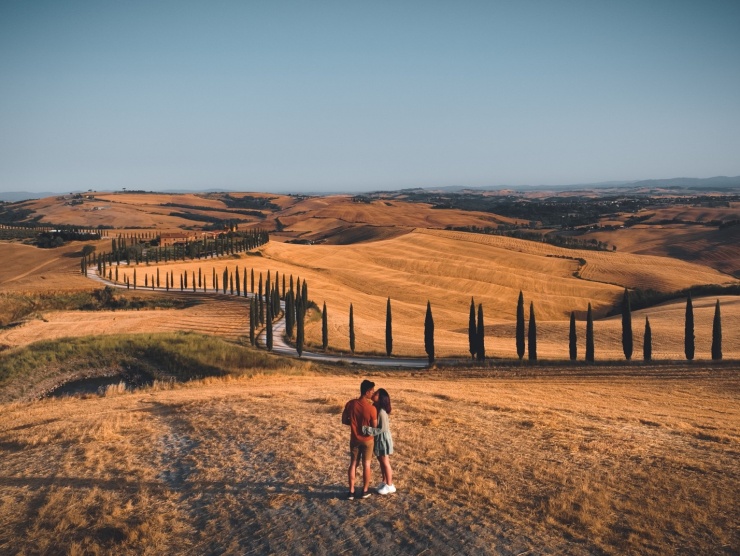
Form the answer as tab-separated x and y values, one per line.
31	271
282	347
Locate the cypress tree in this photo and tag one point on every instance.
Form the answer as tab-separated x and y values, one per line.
283	296
573	338
237	282
252	280
520	326
276	300
252	320
268	328
213	279
472	332
589	335
689	330
226	279
717	334
181	283
304	294
626	326
299	330
185	278
245	282
146	280
260	301
231	284
351	329
388	329
429	334
193	280
480	335
200	278
157	276
289	314
532	334
324	328
134	278
647	342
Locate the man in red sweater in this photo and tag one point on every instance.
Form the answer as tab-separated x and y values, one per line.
358	413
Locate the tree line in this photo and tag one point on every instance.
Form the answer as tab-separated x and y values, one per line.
133	250
526	332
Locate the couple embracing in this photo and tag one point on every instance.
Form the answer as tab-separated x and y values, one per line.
367	417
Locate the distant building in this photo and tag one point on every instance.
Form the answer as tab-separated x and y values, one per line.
167	239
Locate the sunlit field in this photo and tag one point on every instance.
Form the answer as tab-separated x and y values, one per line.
600	461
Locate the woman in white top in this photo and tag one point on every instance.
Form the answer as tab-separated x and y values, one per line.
383	440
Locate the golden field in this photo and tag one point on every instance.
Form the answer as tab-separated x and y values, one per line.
576	463
447	268
494	458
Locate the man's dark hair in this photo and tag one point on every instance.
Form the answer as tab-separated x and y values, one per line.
365	386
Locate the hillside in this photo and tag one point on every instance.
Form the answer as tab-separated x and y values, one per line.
448	268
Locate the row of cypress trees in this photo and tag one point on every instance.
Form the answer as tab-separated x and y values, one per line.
476	332
131	249
428	330
267	307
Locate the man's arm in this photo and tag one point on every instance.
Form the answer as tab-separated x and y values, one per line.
346	420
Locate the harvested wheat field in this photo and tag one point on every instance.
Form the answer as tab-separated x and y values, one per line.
578	462
448	268
320	219
27	268
715	248
223	316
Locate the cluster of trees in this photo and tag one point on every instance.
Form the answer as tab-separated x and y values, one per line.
57	238
552	238
265	307
145	248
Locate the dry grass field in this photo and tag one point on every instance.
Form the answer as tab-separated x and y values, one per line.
448	268
577	462
503	458
27	268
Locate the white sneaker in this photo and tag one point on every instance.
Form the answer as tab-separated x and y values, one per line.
387	489
381	485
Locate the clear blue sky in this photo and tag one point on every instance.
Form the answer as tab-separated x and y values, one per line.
319	96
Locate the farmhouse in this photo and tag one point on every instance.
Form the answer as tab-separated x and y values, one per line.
168	239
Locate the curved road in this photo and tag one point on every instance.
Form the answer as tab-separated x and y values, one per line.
281	347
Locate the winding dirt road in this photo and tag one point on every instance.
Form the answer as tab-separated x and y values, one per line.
281	347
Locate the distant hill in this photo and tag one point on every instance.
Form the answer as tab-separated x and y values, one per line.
15	196
718	182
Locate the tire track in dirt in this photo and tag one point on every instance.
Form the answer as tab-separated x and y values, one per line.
34	269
